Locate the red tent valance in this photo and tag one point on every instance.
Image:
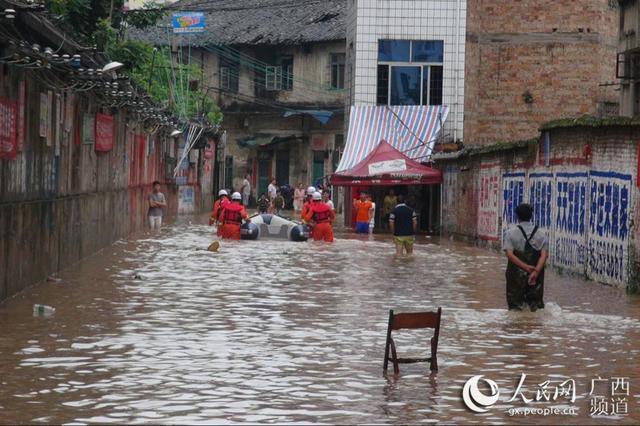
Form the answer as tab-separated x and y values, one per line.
386	166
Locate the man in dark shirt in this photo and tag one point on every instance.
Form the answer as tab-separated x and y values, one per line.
403	222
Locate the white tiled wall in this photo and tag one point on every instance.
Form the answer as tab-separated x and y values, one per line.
371	20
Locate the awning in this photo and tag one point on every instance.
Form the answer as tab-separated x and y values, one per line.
385	166
411	129
321	115
262	140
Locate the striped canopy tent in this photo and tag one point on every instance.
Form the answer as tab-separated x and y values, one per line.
385	166
411	129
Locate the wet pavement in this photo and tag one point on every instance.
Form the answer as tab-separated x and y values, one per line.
277	331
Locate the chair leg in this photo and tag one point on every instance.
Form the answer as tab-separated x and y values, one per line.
386	348
386	357
394	358
434	354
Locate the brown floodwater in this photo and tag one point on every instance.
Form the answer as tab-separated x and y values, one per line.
277	331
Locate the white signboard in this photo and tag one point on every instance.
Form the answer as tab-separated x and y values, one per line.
390	166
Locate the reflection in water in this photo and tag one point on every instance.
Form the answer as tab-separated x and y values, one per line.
272	331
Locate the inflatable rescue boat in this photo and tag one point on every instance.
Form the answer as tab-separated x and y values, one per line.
273	226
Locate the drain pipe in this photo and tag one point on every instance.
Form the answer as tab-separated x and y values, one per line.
457	73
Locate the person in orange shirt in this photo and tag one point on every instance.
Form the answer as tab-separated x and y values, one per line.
362	207
321	215
232	215
223	198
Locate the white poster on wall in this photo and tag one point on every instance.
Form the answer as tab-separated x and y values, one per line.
185	199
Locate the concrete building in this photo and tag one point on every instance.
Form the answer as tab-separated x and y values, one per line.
408	53
531	61
75	171
277	71
628	61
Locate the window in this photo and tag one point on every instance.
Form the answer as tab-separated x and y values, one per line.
273	78
427	51
435	86
394	50
383	85
337	70
229	74
410	72
405	85
287	73
279	77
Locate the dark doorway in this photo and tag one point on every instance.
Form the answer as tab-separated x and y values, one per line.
318	166
264	171
282	168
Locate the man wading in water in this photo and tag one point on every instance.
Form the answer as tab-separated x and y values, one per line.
527	249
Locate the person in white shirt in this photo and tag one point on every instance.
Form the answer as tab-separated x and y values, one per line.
245	190
326	197
372	216
272	189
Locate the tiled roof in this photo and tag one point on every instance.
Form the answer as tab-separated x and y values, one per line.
255	22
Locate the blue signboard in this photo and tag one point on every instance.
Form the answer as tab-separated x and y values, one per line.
187	22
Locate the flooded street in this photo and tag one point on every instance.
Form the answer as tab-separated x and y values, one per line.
278	331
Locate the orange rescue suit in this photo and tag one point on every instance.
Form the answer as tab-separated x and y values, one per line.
231	217
322	216
305	210
218	205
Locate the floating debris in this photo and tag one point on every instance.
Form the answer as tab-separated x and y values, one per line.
43	310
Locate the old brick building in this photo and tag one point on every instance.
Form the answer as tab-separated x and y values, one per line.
531	61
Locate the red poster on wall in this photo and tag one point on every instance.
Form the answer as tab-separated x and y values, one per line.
8	139
104	132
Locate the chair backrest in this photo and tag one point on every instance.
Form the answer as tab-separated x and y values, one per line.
415	320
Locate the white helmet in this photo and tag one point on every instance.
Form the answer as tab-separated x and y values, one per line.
317	196
236	196
311	190
222	192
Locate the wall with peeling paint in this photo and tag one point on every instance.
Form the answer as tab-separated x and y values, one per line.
582	183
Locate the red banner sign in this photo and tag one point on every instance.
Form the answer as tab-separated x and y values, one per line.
104	132
8	137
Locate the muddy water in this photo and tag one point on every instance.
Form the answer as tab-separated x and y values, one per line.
275	331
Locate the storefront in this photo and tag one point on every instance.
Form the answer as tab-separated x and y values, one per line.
386	149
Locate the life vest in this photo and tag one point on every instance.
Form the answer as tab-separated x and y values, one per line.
218	206
321	212
232	213
306	207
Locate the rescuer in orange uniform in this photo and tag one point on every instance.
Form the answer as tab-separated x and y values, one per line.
321	215
305	209
307	203
223	198
232	215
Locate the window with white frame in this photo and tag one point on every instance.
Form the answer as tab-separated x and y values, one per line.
273	77
229	74
410	72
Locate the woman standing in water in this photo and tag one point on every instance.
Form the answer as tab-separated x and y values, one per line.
298	198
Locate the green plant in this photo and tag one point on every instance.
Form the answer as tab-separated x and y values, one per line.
99	22
166	82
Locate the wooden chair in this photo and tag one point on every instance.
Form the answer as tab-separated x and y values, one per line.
412	321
